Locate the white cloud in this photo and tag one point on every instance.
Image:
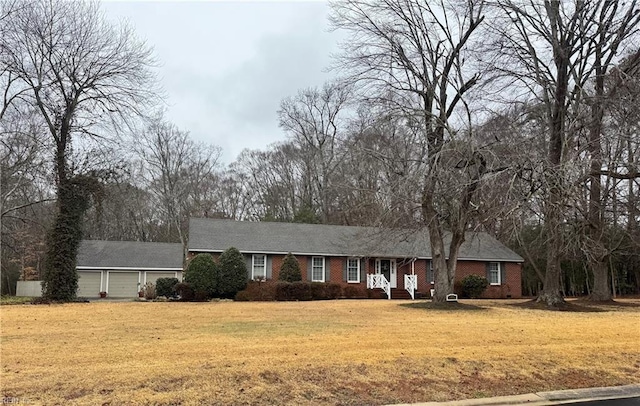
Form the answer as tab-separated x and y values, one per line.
226	66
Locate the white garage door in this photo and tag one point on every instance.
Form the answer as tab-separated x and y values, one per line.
154	276
123	284
88	284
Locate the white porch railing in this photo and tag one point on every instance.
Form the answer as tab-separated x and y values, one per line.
411	284
375	281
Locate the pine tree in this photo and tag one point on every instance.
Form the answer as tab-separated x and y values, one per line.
290	269
232	273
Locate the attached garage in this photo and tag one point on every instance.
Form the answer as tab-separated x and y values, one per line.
123	284
89	283
120	268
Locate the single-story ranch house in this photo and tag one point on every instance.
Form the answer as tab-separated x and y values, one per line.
395	261
355	255
121	268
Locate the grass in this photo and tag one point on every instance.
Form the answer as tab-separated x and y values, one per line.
348	352
14	300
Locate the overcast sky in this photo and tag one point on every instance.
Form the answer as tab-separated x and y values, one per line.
225	66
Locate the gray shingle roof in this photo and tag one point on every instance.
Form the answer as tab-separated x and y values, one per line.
129	254
210	235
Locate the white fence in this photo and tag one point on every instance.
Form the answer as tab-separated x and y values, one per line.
29	288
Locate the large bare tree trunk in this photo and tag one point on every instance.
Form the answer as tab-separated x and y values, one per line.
411	62
598	258
552	48
444	278
551	293
632	202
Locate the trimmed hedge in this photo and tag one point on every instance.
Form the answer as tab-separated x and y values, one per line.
474	285
165	287
333	290
355	292
185	291
300	291
294	291
318	291
257	292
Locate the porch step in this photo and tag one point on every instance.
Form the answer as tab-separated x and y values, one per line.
400	294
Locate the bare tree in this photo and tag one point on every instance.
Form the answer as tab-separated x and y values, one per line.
176	170
274	181
608	22
315	119
233	197
24	177
25	190
551	50
82	74
621	148
411	57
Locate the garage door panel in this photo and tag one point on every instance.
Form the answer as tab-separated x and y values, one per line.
88	284
123	284
154	276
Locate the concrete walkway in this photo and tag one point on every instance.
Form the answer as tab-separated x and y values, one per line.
546	398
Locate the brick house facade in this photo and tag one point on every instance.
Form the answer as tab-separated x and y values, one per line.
335	272
336	254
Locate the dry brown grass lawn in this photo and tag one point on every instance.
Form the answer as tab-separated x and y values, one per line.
334	352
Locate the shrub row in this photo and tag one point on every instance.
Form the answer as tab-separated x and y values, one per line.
204	278
293	291
307	291
471	286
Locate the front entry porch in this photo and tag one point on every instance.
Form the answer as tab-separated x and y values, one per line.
388	268
386	278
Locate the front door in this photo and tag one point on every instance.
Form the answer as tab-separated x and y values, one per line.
387	267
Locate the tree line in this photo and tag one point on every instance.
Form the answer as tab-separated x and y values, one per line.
525	127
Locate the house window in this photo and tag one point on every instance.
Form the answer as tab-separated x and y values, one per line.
317	269
430	274
353	270
259	267
494	273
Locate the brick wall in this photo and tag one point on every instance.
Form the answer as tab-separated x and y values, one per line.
335	266
514	280
420	269
465	268
303	260
277	261
336	269
510	287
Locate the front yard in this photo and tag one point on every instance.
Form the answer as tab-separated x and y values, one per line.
347	352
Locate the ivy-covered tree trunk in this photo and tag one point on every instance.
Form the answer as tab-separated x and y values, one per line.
60	279
78	73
